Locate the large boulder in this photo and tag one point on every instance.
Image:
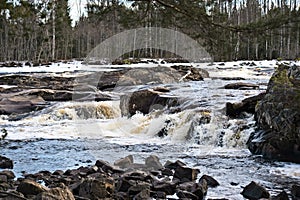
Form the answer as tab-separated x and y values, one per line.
56	194
30	187
145	101
255	191
278	117
20	104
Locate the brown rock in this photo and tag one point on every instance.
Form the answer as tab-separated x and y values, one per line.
96	188
9	174
56	194
29	187
6	163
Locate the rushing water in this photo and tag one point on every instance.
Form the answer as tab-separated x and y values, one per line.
71	134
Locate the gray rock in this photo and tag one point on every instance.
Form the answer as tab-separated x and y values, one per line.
124	162
278	117
153	162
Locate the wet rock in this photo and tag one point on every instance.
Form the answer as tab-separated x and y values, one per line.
96	188
167	172
105	166
124	162
198	189
190	73
3	178
123	184
282	196
145	101
247	105
158	195
20	104
174	165
278	117
241	85
169	188
143	195
29	187
9	174
56	194
254	191
295	192
12	195
152	162
6	163
139	187
211	182
186	195
186	174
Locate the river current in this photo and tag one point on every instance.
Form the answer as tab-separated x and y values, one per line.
71	134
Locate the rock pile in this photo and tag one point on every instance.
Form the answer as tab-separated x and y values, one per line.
122	180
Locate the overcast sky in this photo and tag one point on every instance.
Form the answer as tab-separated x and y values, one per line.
77	8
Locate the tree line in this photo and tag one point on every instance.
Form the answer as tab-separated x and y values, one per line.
41	30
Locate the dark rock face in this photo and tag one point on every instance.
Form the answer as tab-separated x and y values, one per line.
247	105
145	101
278	117
254	191
185	174
282	196
295	191
6	163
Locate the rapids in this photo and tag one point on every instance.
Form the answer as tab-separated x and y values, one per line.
70	134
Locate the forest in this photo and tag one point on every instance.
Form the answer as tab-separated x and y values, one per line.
42	30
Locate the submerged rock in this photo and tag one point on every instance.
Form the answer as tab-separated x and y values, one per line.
278	117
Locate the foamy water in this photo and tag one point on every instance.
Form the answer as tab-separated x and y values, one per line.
67	134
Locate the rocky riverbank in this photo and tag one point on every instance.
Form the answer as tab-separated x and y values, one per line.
278	117
122	180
